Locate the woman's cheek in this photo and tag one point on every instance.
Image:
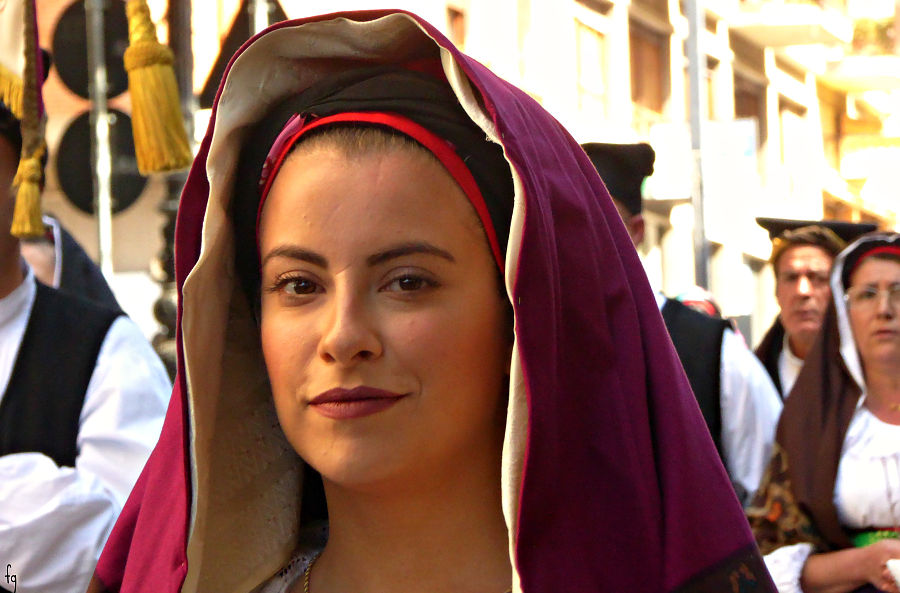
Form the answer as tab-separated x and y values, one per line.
287	350
427	335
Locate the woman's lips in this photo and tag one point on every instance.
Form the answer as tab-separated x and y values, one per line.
343	404
886	333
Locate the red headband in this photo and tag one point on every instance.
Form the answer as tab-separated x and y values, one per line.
300	124
881	249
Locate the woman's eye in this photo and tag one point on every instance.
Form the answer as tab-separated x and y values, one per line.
408	283
298	286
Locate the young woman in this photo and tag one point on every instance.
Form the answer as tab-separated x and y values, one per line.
828	512
417	350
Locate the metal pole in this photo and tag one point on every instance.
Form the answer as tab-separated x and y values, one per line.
165	308
696	75
260	10
100	147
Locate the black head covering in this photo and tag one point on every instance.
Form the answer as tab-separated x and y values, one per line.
847	231
420	97
623	168
9	129
830	235
854	254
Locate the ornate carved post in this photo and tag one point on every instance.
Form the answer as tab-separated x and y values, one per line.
178	15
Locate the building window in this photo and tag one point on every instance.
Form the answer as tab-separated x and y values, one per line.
750	103
709	87
749	100
794	132
712	65
831	114
592	88
649	74
799	164
456	26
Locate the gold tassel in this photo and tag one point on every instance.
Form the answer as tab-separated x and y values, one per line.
29	176
11	91
160	140
27	215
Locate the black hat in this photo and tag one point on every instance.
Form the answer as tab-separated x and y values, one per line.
847	231
623	168
830	235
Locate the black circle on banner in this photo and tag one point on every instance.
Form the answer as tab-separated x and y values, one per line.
70	48
73	163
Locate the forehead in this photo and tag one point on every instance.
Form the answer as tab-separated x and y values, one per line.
394	191
805	257
874	270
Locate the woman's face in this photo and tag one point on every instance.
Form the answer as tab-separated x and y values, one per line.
382	325
875	321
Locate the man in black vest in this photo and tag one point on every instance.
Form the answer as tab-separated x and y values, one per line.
82	399
802	254
735	395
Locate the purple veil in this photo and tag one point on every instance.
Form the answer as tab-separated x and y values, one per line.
611	481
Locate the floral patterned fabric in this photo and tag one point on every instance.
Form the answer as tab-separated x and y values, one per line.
776	518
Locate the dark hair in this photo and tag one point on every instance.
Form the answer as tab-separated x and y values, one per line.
10	128
813	236
863	250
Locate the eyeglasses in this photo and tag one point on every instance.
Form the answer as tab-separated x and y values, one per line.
867	297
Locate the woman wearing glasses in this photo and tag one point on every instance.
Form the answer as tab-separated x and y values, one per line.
828	511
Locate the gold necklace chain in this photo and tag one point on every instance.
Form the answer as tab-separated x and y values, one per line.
309	570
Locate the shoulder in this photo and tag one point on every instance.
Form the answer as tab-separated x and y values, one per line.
691	327
57	320
72	305
126	344
743	361
771	342
127	363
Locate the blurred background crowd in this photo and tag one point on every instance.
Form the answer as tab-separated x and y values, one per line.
799	102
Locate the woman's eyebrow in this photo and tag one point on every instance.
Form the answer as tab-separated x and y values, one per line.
408	249
299	253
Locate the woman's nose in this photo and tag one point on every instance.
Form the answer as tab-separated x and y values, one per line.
349	335
886	305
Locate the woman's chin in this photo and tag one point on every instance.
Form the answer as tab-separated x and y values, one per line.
358	465
362	476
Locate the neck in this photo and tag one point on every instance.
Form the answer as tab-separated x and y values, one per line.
883	390
800	345
445	535
11	275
